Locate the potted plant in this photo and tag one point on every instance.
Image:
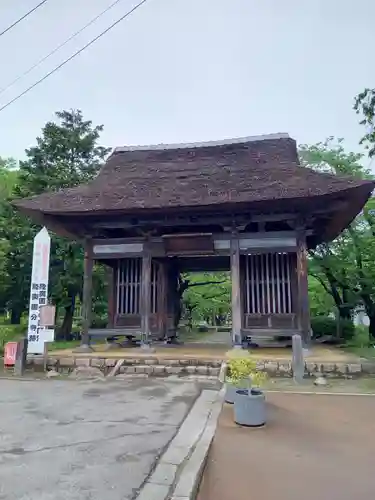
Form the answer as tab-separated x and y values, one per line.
249	402
236	373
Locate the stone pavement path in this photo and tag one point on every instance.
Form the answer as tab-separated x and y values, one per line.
85	440
313	447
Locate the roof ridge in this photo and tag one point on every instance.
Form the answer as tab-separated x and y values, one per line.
187	145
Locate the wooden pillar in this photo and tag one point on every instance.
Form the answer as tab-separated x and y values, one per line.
146	296
88	264
163	304
236	290
302	286
173	298
111	296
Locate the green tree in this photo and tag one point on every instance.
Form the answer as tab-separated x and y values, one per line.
208	297
321	301
364	105
66	154
8	178
345	267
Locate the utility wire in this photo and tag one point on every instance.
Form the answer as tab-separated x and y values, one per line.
22	18
73	55
93	20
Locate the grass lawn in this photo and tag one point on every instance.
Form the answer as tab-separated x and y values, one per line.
10	333
57	346
359	345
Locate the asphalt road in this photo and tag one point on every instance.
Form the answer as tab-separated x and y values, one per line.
62	439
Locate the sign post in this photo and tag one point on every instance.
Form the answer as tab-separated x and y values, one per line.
38	291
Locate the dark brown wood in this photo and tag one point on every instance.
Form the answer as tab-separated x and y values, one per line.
111	297
192	244
302	286
271	322
294	282
87	293
195	218
146	296
163	306
236	291
173	296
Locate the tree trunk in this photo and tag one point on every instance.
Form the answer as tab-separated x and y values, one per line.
371	328
65	332
15	316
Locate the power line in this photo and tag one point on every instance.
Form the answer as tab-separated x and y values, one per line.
73	55
22	18
93	20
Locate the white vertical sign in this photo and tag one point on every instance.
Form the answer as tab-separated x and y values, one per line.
38	291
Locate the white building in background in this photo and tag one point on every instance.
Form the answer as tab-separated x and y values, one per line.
360	318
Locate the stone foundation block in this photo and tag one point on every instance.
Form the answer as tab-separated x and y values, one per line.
110	362
202	370
328	368
67	362
37	361
151	361
171	362
129	361
214	371
159	369
368	368
130	369
342	368
184	362
271	367
173	370
52	361
285	369
354	368
139	369
311	368
83	362
191	369
98	362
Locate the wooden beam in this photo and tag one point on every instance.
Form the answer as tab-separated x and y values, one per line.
236	291
111	296
209	219
88	264
302	287
163	305
146	296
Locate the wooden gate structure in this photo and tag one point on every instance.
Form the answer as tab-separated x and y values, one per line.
245	205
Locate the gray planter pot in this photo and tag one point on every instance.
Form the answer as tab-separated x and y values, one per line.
250	409
230	393
230	390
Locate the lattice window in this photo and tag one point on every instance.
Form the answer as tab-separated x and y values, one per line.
128	286
268	284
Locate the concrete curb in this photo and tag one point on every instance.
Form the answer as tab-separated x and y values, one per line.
191	473
179	469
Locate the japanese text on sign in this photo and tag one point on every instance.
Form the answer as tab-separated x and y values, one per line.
38	290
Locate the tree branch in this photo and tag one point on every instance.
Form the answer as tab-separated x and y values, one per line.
321	281
206	283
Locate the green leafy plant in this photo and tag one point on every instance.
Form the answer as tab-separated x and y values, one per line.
242	369
329	327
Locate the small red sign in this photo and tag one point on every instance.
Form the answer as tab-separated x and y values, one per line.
10	353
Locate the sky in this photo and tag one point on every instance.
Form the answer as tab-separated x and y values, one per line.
190	70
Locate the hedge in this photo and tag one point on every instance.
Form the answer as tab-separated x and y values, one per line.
325	326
